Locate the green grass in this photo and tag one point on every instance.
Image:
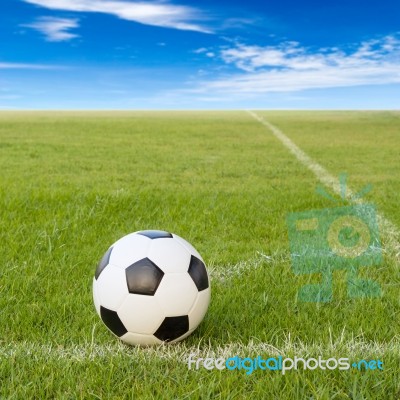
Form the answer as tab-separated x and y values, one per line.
73	183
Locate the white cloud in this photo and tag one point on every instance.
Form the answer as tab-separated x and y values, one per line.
200	50
10	65
55	29
160	14
205	51
291	67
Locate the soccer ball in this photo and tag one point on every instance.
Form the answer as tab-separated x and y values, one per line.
151	287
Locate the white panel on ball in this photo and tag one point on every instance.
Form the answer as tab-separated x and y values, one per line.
141	314
199	309
112	288
169	255
176	294
96	299
138	339
129	249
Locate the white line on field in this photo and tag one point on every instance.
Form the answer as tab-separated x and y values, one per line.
180	351
389	230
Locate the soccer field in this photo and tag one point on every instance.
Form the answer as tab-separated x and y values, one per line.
72	183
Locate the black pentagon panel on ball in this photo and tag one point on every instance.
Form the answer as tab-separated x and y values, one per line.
172	328
143	277
155	234
197	270
112	321
103	263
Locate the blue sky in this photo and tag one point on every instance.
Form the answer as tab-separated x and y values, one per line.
122	54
